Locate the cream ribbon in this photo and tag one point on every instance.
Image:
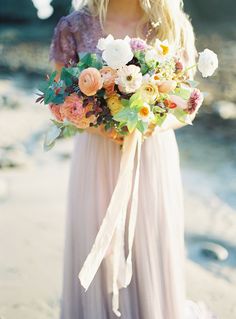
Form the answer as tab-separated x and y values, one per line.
112	229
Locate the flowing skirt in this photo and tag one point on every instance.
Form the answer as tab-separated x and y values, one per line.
157	288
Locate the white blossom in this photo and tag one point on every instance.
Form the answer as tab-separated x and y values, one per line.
207	63
129	78
116	52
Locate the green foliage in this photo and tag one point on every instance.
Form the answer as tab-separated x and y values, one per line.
142	126
180	114
140	55
50	138
52	78
87	60
129	116
160	118
184	93
49	95
59	129
158	109
136	100
49	89
66	76
70	130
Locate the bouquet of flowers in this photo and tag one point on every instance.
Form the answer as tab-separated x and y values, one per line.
130	85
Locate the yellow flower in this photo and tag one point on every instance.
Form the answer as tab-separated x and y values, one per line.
165	49
114	104
149	92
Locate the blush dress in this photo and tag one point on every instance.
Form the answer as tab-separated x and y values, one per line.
157	287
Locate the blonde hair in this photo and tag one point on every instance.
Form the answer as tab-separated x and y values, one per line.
172	23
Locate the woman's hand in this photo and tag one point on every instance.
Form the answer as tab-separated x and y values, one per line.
111	133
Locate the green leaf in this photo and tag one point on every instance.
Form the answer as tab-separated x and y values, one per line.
159	119
121	124
96	61
57	123
131	124
75	71
158	109
142	126
125	102
125	114
144	68
184	93
58	99
66	76
43	86
136	101
52	77
180	114
89	60
49	146
49	96
69	131
135	97
52	134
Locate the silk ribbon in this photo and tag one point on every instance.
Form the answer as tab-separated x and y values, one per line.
112	230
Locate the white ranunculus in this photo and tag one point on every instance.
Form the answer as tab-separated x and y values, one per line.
103	42
207	63
117	53
129	78
127	39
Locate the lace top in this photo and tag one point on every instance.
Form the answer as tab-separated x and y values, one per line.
77	32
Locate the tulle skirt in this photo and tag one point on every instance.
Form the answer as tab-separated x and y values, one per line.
157	288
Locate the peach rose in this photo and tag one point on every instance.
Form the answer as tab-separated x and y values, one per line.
109	76
56	111
90	81
166	86
72	109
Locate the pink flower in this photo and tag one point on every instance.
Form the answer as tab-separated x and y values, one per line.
195	101
108	76
72	109
56	111
179	101
138	44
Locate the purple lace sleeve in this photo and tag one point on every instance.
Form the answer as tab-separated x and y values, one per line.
63	44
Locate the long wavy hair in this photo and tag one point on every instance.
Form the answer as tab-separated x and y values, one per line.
167	18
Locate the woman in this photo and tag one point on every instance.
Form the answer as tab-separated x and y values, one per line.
157	288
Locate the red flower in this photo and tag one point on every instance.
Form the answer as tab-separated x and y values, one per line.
170	104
